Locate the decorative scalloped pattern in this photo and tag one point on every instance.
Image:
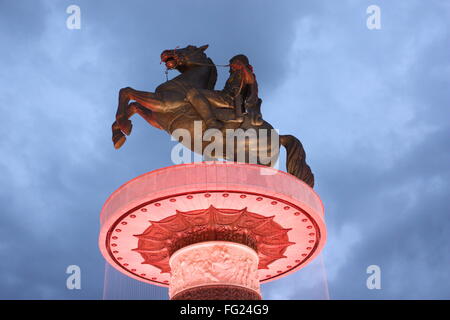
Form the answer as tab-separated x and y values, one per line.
162	238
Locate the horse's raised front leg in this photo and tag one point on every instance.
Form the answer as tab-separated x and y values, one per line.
146	114
117	135
147	100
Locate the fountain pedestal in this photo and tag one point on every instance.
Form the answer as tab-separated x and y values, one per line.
212	230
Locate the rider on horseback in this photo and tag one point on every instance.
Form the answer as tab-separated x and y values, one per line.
240	93
198	71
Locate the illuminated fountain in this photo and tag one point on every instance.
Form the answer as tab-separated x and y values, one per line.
212	230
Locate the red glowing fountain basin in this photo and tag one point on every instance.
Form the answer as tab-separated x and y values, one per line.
262	192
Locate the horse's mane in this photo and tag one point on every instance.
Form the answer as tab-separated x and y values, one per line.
212	76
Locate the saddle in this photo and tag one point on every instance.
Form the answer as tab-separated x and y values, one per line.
253	113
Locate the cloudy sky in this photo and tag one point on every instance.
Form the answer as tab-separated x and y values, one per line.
372	108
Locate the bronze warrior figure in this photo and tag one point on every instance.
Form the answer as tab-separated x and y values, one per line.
190	97
240	93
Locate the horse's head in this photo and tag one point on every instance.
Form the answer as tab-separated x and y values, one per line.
185	58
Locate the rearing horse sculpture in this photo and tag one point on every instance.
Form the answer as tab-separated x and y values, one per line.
169	108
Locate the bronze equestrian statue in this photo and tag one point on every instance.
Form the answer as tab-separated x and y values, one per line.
190	97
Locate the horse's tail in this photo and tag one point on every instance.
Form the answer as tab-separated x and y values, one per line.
296	159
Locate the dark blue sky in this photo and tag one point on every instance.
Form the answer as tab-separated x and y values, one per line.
370	106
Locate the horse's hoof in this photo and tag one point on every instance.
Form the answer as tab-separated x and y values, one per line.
126	126
118	140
